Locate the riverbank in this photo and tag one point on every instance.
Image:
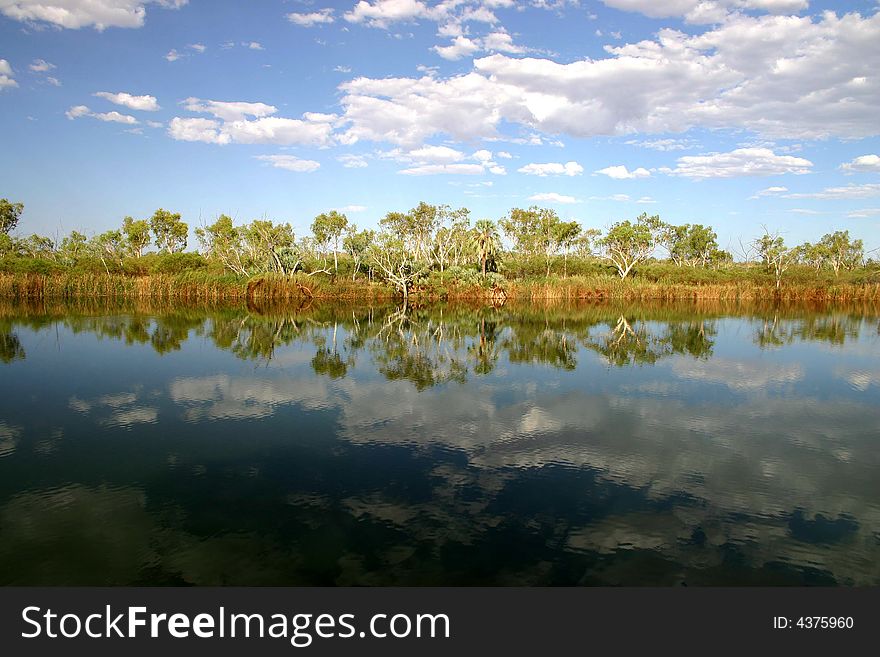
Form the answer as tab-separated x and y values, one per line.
198	286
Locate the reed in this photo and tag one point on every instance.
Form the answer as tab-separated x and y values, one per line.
197	286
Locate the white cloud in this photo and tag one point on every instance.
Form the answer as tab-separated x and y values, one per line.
552	169
6	74
172	55
206	130
863	163
235	126
436	154
289	163
77	111
504	155
661	144
229	111
769	191
382	13
434	169
115	117
461	47
80	111
863	214
41	66
198	47
850	191
352	208
804	211
55	82
705	11
351	161
768	74
322	16
74	14
140	103
620	172
740	162
553	197
253	45
342	69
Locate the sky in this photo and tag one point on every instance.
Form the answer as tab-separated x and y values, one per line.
734	113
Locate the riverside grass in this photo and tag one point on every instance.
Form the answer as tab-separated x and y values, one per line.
212	287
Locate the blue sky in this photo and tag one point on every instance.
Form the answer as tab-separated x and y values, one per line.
735	113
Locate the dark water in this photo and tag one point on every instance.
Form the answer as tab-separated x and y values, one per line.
636	445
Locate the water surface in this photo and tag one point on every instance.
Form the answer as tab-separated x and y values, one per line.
336	444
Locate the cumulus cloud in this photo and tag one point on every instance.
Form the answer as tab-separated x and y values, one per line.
41	66
229	111
705	11
382	13
290	163
834	193
198	47
769	191
739	162
6	73
172	55
863	163
864	213
351	161
767	73
352	208
460	47
80	111
552	169
140	103
310	19
553	197
620	172
74	14
433	160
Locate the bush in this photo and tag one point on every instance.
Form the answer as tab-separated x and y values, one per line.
176	263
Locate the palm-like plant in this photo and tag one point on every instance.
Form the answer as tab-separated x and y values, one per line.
486	240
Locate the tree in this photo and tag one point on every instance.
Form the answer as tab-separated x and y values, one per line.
269	246
841	252
327	227
628	243
689	244
775	255
396	262
109	245
37	246
223	241
451	235
170	232
486	241
534	231
567	234
357	245
137	235
73	248
10	213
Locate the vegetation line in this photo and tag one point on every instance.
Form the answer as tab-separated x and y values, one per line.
432	253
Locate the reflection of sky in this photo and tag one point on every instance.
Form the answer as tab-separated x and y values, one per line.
768	452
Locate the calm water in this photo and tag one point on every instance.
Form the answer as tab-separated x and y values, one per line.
352	445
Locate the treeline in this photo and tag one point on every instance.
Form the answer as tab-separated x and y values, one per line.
428	241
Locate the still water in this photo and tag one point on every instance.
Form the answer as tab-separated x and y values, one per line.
351	445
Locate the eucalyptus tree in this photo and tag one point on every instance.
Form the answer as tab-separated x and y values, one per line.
329	227
109	245
534	231
689	244
775	255
628	243
10	213
37	246
169	231
567	235
268	245
223	242
450	237
841	251
137	235
357	245
396	262
73	248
